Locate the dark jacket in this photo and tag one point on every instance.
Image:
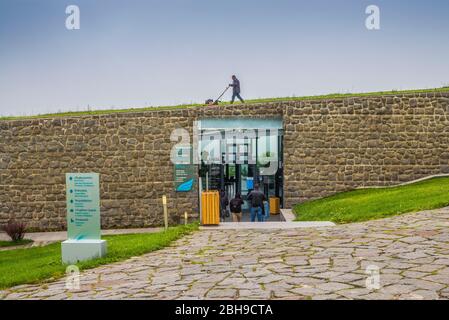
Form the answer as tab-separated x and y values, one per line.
235	86
236	205
224	201
256	198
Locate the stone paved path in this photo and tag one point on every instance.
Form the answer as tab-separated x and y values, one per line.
412	252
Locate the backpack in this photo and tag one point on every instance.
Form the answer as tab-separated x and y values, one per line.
235	205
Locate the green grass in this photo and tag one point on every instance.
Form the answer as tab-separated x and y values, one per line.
252	101
369	204
13	244
33	265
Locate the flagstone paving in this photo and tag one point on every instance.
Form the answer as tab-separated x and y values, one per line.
411	252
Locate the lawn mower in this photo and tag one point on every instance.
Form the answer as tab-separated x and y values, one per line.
212	102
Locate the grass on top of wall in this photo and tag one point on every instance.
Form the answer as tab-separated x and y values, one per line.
36	264
376	203
251	101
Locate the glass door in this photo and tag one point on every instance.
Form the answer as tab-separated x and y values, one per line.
236	159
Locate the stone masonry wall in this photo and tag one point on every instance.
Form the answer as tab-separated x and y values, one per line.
329	146
338	145
131	151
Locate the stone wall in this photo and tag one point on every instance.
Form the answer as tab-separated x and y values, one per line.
338	145
329	146
131	151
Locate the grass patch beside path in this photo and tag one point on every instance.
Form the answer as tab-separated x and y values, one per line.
23	242
370	204
32	265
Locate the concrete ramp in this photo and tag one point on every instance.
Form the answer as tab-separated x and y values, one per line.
269	225
286	222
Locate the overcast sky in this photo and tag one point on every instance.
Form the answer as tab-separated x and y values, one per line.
137	53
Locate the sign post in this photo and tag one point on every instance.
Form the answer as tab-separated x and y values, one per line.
184	170
184	177
83	219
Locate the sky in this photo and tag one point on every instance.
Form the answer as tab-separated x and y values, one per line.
136	53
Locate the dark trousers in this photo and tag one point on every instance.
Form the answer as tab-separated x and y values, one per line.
234	95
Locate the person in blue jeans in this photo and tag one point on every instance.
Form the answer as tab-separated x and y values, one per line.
256	212
235	89
256	199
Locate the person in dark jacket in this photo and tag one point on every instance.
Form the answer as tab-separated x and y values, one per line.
235	89
256	199
224	201
236	208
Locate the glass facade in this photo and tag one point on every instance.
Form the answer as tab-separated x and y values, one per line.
235	155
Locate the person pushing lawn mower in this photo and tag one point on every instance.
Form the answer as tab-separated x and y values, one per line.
235	89
235	85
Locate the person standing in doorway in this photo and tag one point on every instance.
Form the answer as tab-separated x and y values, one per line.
236	208
256	199
235	89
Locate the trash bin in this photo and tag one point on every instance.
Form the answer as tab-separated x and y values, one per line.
275	205
210	208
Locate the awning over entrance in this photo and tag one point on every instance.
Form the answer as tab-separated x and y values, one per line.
240	123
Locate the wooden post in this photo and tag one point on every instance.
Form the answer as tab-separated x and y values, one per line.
164	204
185	218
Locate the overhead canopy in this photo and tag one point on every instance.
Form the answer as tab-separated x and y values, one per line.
240	123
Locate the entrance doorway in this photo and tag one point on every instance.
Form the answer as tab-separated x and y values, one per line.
237	155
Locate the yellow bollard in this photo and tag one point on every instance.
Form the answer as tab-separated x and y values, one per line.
164	204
